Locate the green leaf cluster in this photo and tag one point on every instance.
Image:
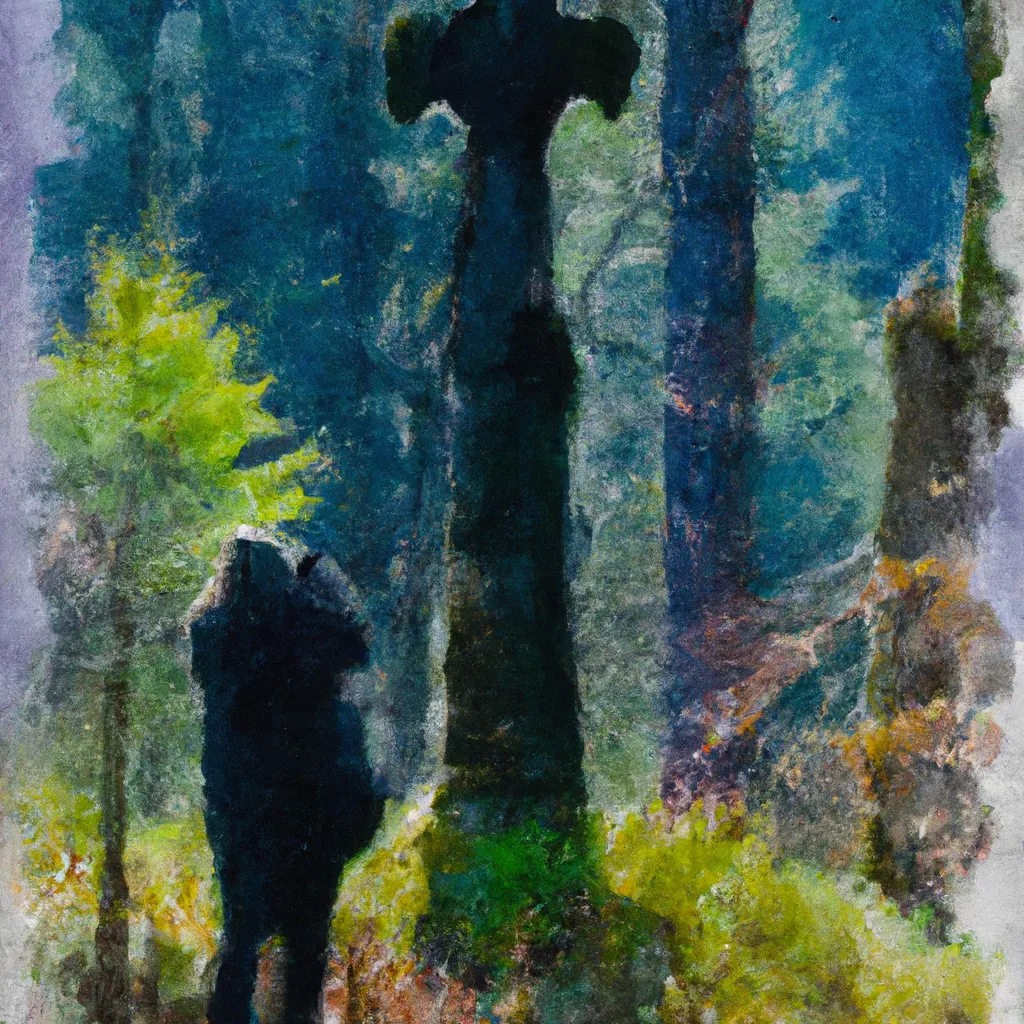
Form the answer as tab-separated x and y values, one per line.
170	872
385	890
62	861
754	940
145	418
723	928
499	898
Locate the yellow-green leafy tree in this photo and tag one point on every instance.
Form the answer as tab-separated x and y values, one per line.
144	417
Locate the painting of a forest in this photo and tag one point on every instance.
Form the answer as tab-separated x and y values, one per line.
511	512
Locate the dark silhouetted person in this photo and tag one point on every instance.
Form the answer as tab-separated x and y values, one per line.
289	794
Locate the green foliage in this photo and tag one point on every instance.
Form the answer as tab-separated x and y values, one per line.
535	902
385	890
63	858
705	913
502	898
753	940
170	874
144	420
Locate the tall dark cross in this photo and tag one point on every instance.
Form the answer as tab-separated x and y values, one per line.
508	68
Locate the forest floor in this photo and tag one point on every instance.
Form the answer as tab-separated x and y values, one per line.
21	1002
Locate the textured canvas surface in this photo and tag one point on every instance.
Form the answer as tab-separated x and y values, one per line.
511	512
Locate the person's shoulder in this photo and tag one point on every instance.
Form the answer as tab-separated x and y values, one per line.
206	626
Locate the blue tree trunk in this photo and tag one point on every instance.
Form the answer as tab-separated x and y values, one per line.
707	133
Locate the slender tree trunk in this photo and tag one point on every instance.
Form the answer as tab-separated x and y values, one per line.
948	368
147	994
112	995
406	656
418	598
149	18
707	134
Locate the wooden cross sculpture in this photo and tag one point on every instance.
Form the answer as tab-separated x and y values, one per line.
508	68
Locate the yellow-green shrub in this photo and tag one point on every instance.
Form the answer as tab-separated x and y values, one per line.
757	941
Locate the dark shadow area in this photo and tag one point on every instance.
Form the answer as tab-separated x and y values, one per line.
288	785
508	69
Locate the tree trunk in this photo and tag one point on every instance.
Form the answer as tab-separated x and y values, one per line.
417	597
707	133
112	993
405	657
947	364
142	144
